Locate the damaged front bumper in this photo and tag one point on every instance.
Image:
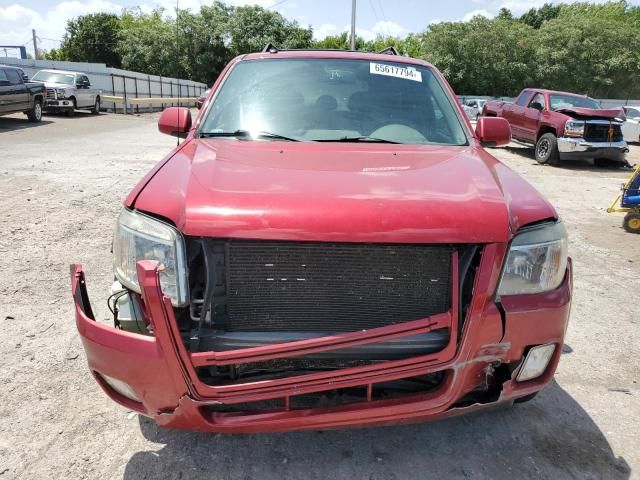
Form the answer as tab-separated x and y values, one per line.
578	148
477	369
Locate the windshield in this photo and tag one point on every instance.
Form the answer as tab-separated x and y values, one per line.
54	77
334	100
632	113
564	101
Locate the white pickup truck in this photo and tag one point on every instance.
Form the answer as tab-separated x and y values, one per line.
68	91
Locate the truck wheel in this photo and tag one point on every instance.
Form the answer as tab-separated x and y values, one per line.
631	222
96	107
547	149
72	111
35	114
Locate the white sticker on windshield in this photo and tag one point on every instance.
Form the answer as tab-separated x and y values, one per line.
408	73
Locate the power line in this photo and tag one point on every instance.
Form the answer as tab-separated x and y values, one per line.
278	3
375	13
384	28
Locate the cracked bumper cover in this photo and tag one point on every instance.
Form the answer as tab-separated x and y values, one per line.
162	372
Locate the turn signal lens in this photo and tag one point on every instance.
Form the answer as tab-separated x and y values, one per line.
536	362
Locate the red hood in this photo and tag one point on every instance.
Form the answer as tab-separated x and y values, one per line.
334	192
592	112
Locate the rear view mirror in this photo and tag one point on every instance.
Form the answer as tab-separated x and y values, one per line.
493	131
537	106
175	121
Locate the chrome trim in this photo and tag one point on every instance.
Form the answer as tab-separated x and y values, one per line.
601	122
571	145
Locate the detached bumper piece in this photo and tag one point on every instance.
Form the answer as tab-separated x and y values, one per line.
474	367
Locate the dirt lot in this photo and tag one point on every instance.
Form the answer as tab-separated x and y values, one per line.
61	185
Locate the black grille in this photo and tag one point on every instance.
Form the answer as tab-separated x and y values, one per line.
333	287
595	132
51	93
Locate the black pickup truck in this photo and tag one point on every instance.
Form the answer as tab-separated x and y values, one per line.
19	95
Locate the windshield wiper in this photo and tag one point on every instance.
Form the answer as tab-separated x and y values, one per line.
246	134
356	139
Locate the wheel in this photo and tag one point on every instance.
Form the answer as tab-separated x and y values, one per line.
547	149
631	222
35	114
96	107
526	398
72	111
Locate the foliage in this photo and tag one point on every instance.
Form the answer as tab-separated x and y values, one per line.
482	55
581	47
92	38
536	17
597	56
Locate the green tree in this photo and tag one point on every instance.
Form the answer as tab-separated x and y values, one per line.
251	28
53	54
147	43
92	38
482	56
536	17
201	47
596	56
339	42
505	14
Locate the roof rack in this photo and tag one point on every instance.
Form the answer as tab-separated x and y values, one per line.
389	51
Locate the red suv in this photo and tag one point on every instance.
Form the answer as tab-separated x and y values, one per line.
330	246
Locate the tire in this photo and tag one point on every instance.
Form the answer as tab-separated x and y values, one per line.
96	107
72	111
631	222
547	150
35	114
526	398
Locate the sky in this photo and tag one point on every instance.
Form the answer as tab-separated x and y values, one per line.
395	17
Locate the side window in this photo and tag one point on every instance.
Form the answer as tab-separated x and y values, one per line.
86	81
537	98
3	78
522	99
13	76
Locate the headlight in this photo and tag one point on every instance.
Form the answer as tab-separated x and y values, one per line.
537	260
140	237
60	92
574	128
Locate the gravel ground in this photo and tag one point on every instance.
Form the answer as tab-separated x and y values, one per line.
61	186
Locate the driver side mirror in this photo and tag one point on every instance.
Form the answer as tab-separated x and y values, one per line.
537	105
493	131
175	121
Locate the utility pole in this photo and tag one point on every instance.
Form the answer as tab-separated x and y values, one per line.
353	24
35	44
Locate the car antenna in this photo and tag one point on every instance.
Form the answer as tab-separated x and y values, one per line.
177	53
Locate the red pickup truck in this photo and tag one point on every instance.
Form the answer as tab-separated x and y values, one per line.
330	246
563	126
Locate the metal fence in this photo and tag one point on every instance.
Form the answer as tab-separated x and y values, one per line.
121	86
